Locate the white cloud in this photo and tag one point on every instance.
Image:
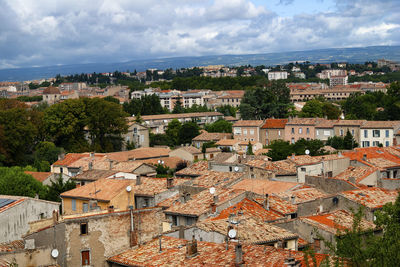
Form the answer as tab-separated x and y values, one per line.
47	32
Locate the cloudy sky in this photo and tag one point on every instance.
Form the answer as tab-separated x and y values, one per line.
51	32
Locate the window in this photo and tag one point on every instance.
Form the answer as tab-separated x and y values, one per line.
308	130
245	132
279	132
387	143
327	133
317	132
85	207
230	168
293	216
292	141
85	257
252	132
352	132
303	169
61	170
386	133
135	130
266	133
73	204
341	132
292	130
365	144
376	133
174	220
366	133
84	228
375	143
300	130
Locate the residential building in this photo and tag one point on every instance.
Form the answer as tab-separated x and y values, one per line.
277	75
137	134
191	153
206	137
325	130
99	195
247	130
378	133
298	128
51	95
17	212
341	127
338	80
273	129
46	178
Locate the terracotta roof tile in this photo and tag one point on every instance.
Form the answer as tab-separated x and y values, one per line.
263	187
227	142
93	175
209	137
12	246
209	254
170	162
359	173
248	123
372	197
274	124
196	169
213	178
178	116
102	190
302	194
386	154
154	186
337	220
40	176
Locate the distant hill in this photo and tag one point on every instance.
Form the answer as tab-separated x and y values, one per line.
351	55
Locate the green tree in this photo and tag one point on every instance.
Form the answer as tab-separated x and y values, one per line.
188	131
279	150
46	153
146	105
173	130
348	141
111	99
57	187
178	108
313	108
336	142
13	181
220	126
271	101
249	150
227	110
160	140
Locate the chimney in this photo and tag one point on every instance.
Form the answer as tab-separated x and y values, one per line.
293	155
138	180
181	232
364	157
110	208
91	154
170	182
340	154
293	198
191	248
214	204
111	164
238	255
352	180
61	156
55	216
266	202
90	165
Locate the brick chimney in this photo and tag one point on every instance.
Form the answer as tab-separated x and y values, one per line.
238	255
138	180
170	182
364	157
191	248
266	202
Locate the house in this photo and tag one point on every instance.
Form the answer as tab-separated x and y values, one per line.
90	176
247	130
228	145
277	75
51	95
378	133
137	134
99	195
17	212
189	210
283	170
148	192
191	153
273	129
194	170
298	128
206	137
325	130
180	252
89	239
341	127
47	177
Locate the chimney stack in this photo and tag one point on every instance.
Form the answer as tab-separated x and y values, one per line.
138	180
111	164
293	155
90	165
364	157
55	216
238	255
170	182
293	199
191	248
266	202
214	204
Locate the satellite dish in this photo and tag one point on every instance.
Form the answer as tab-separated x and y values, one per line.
212	190
128	188
54	253
232	233
307	152
236	168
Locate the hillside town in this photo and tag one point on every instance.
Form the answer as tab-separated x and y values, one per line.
199	177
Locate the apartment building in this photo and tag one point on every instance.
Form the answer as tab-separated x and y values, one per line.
378	133
298	128
277	75
247	130
273	129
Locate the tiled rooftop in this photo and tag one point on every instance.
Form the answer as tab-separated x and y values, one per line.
5	206
279	205
227	142
249	208
93	175
12	246
206	136
173	253
303	159
178	116
367	154
248	123
171	162
40	176
196	169
103	189
282	167
154	186
274	124
372	197
359	173
381	124
337	220
263	186
250	230
302	194
213	178
201	203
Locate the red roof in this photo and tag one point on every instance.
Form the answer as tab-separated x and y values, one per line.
274	124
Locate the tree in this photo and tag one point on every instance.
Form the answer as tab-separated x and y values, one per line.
320	108
13	181
273	100
46	153
138	118
58	187
279	150
220	126
111	99
178	108
249	150
227	110
160	140
188	131
146	105
348	141
336	142
173	130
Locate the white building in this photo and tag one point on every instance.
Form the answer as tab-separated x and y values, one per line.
376	133
277	75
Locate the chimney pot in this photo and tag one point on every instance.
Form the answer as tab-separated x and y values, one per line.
266	202
138	180
364	157
293	199
191	248
238	255
170	182
110	208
